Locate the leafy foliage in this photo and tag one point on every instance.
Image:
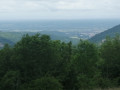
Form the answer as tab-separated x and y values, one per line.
39	63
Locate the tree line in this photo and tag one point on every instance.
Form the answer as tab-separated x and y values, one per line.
39	63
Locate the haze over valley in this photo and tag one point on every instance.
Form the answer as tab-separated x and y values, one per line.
64	30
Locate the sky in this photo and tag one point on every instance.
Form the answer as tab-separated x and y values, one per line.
59	9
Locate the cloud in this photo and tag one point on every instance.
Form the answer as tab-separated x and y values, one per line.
61	8
31	5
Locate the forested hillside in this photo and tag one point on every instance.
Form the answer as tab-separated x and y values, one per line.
4	41
39	63
101	36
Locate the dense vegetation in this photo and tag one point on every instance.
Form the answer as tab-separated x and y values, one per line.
101	36
39	63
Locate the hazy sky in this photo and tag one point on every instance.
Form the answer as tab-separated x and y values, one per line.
59	9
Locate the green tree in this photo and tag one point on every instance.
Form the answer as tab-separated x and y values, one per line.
10	81
84	63
44	83
5	59
110	50
35	56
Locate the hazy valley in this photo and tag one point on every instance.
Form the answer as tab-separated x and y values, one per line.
69	30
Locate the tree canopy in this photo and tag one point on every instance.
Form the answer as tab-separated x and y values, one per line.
39	63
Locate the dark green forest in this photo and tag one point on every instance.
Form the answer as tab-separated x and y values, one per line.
39	63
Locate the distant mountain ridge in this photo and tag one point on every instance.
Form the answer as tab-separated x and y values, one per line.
101	36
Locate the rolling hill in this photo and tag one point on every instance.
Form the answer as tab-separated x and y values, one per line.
12	37
101	36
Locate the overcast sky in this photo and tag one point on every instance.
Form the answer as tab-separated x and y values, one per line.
59	9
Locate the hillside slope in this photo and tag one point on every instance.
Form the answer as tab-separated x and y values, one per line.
5	41
101	36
